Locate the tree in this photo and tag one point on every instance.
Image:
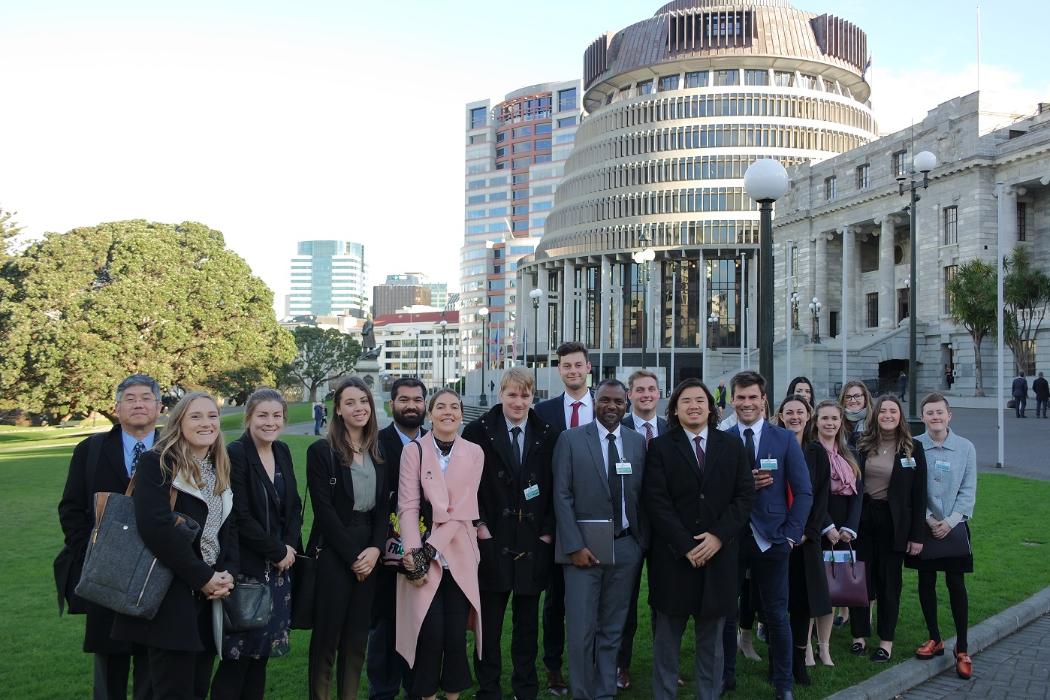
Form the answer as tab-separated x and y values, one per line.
323	355
972	292
1026	291
80	311
8	230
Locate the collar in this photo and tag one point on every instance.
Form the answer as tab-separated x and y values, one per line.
639	421
602	432
951	441
405	439
130	440
512	426
585	400
756	426
702	435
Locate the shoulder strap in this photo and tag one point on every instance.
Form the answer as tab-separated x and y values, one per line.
172	493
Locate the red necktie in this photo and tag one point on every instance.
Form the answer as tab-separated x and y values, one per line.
699	455
648	433
574	420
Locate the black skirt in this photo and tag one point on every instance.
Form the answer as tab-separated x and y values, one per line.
952	565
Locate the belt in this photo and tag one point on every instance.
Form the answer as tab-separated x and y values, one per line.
623	533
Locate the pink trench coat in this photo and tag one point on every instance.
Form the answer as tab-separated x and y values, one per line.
454	499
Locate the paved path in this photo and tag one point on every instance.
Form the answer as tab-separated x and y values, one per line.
1027	441
308	428
1018	667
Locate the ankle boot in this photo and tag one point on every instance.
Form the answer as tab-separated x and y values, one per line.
798	666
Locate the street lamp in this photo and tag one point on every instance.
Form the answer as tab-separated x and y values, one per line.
814	309
765	181
484	313
643	257
922	164
795	299
536	294
443	326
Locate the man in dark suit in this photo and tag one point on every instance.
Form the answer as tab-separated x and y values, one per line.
643	390
598	470
1041	389
573	408
1019	390
777	463
387	671
106	462
515	507
698	493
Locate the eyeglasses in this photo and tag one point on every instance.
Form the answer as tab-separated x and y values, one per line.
854	397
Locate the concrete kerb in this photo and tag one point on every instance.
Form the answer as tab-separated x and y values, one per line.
902	677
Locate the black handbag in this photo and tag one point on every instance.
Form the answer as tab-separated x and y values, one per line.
249	605
955	544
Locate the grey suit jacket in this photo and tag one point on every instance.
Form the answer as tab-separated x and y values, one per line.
581	484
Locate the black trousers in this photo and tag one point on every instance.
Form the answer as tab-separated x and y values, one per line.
180	675
883	565
111	676
241	679
1019	405
525	626
441	649
554	620
341	621
958	599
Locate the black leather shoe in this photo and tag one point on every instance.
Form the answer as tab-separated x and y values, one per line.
880	656
858	648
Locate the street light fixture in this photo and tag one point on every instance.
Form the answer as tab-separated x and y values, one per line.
484	313
814	308
443	326
536	294
795	299
922	164
644	257
765	181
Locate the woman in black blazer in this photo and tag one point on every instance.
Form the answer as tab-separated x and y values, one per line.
893	467
269	521
190	459
346	478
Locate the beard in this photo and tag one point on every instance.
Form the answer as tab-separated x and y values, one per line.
408	419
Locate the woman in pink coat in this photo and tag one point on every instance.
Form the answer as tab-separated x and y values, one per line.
440	474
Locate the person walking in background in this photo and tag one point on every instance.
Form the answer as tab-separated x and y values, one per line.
190	460
269	522
893	466
347	480
902	385
720	396
440	476
106	462
318	417
951	490
1019	390
698	492
1041	389
855	400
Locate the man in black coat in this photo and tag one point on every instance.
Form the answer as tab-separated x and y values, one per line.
1019	390
105	462
1041	388
514	503
387	671
698	493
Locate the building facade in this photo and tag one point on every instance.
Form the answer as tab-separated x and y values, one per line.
416	344
515	155
676	108
399	291
842	235
328	278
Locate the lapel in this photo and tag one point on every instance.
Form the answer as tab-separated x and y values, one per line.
501	441
255	461
661	426
113	453
342	473
591	437
536	430
687	453
765	444
562	425
181	484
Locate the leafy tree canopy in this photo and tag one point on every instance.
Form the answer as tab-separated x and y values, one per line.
322	355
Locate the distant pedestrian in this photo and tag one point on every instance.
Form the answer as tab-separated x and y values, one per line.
949	376
720	395
318	417
902	382
1042	395
1019	391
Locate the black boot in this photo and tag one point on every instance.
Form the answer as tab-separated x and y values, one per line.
798	666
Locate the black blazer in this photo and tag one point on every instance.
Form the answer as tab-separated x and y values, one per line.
813	579
680	505
552	412
76	513
333	503
514	559
390	446
842	511
906	497
259	518
176	625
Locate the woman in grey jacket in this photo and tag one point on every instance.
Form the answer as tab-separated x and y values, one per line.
951	488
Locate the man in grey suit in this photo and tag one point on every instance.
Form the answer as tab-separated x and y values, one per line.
598	471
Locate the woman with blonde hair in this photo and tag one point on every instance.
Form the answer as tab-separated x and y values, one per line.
188	461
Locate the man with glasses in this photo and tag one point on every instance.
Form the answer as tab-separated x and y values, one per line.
106	462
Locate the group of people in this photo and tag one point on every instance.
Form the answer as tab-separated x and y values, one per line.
421	535
1019	393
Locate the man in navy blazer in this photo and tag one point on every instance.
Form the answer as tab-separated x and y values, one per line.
776	525
571	409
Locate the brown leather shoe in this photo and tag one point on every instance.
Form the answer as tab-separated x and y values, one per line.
623	679
930	649
963	665
556	683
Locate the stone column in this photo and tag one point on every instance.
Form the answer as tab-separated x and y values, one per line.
605	309
887	283
820	284
568	299
860	321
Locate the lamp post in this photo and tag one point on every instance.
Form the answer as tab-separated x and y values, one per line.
814	309
536	295
643	257
765	181
483	400
922	164
443	327
795	299
712	322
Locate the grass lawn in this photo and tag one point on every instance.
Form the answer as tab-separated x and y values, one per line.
40	653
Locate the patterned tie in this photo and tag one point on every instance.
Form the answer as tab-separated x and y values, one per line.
574	420
615	487
749	445
515	449
648	433
136	452
699	455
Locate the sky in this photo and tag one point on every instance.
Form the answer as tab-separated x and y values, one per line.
275	122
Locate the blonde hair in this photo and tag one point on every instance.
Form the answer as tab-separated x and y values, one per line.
841	443
175	456
519	377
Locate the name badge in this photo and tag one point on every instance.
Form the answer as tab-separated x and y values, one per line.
531	492
907	462
768	465
623	468
942	466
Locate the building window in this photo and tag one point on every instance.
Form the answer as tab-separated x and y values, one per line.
900	163
756	77
645	87
566	100
903	297
783	78
696	79
829	188
727	77
501	137
951	225
862	177
478	117
567	121
872	302
668	82
949	275
522	147
1029	346
1022	220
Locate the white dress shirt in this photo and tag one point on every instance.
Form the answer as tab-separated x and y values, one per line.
604	442
586	410
703	440
756	427
640	423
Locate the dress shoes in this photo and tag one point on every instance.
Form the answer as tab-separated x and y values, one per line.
963	665
929	649
556	683
623	679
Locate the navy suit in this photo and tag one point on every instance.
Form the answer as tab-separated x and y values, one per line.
774	521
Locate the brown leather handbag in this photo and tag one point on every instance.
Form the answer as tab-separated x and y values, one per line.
847	581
